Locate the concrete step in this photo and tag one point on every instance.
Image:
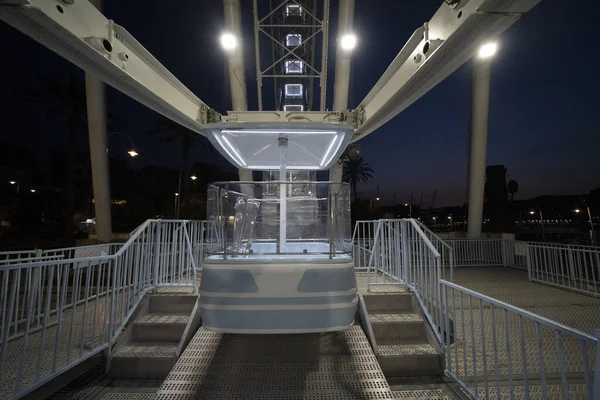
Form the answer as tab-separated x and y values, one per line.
159	327
172	303
397	326
377	303
143	360
406	358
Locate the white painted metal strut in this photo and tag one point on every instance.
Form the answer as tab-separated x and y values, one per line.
433	52
77	31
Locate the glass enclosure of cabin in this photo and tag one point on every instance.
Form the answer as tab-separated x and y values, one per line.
273	220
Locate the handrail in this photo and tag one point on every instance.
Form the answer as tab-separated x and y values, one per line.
425	238
427	230
535	317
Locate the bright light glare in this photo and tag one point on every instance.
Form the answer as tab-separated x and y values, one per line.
133	153
450	217
32	190
348	41
176	194
488	50
194	177
377	199
228	41
326	157
12	182
577	210
531	212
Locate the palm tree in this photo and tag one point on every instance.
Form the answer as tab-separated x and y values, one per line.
356	170
63	99
169	131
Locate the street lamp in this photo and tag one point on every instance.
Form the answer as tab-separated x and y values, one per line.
377	199
132	152
228	41
488	50
532	212
32	190
348	42
592	233
193	177
15	183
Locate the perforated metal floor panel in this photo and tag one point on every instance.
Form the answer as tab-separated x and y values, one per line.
426	394
328	366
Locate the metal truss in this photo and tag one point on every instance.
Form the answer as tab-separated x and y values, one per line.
275	25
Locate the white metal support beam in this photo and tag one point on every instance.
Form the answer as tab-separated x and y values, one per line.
343	57
434	51
479	129
235	58
81	34
96	116
342	73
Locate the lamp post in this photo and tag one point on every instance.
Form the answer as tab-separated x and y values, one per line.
132	152
532	212
592	233
451	223
15	183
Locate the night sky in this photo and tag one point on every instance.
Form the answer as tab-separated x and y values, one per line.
544	118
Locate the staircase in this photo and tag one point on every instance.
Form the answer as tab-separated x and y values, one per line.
406	347
149	347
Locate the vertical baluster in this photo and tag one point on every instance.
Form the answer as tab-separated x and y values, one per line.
508	356
538	339
474	355
523	357
9	315
74	297
484	358
45	323
61	306
88	276
31	300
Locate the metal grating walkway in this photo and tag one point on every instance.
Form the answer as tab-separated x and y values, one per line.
329	366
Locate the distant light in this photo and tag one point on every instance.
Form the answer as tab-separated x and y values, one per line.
133	153
531	212
228	41
193	177
12	182
176	194
488	50
377	199
32	190
405	204
450	217
89	221
434	218
577	210
348	42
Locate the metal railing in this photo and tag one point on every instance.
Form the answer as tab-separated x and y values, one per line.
14	257
494	345
423	272
363	240
74	308
566	266
385	266
444	249
478	252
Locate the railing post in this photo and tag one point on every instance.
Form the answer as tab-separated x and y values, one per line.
596	390
404	245
528	257
157	253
